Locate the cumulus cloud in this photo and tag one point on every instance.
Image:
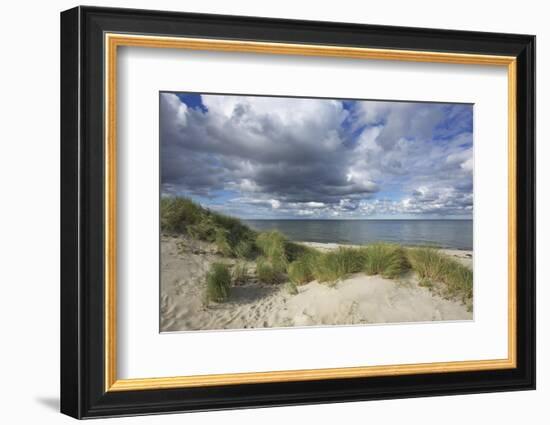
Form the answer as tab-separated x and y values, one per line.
284	157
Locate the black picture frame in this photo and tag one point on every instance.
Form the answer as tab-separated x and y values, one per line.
83	392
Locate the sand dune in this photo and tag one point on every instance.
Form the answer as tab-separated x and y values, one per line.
358	299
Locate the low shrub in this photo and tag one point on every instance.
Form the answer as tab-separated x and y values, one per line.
218	282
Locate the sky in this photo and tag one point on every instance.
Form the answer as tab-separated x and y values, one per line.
262	157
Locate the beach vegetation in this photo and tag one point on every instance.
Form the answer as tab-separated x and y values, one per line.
432	266
222	242
182	216
295	251
334	265
273	247
300	271
236	230
218	282
269	272
239	274
388	260
203	230
245	249
176	214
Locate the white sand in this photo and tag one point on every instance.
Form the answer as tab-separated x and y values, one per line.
357	299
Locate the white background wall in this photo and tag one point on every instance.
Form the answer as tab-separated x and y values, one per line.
29	224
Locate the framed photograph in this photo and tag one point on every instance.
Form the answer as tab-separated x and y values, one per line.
261	212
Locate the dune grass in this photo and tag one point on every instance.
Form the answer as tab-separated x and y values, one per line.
269	272
388	260
334	265
218	282
177	214
183	216
275	265
433	267
239	274
300	271
245	249
384	259
326	267
222	242
295	251
273	246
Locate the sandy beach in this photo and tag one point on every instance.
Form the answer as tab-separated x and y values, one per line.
357	299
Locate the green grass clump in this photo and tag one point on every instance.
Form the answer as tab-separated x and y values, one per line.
295	251
204	230
334	265
268	272
245	249
349	260
236	231
183	216
326	269
222	242
387	260
218	281
300	271
178	213
433	266
239	273
273	246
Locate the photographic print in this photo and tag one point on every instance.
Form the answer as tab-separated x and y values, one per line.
330	186
280	212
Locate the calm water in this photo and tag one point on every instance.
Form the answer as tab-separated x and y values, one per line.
457	234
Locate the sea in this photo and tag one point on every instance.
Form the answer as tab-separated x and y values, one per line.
451	234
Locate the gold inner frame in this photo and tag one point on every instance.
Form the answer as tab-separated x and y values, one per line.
113	41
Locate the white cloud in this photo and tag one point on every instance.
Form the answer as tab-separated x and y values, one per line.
174	111
275	204
283	156
313	204
468	165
